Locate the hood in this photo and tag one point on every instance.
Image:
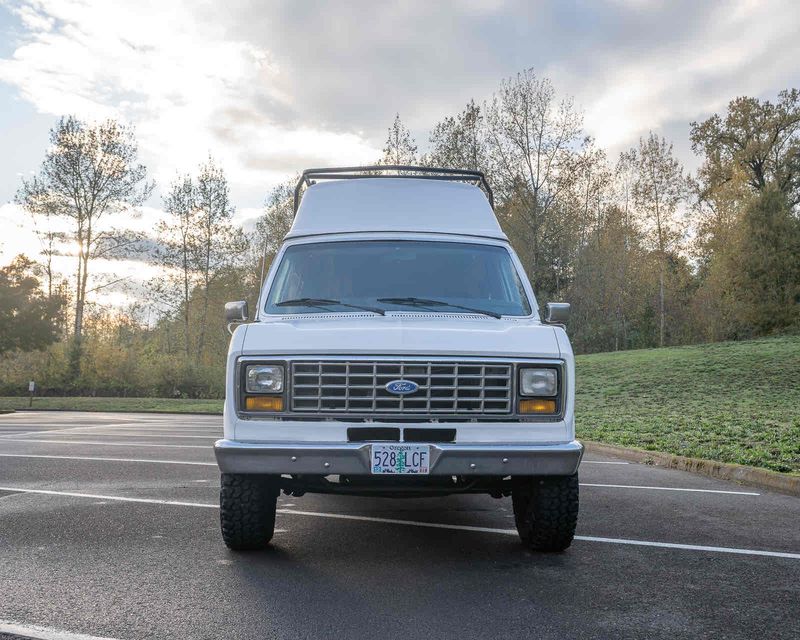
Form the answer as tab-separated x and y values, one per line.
406	335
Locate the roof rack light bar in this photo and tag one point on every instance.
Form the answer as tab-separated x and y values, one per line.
309	176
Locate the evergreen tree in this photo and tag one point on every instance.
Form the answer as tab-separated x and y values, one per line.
767	281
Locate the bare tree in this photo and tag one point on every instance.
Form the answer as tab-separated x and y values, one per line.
272	227
532	138
658	190
199	244
218	245
89	172
176	252
400	146
50	241
588	189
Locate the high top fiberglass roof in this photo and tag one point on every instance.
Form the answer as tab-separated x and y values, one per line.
395	205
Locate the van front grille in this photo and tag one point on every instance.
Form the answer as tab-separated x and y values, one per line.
359	387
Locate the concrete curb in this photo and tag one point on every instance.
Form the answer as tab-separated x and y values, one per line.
751	476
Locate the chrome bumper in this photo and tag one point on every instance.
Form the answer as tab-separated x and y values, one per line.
354	458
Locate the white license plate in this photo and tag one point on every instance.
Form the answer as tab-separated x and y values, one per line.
400	458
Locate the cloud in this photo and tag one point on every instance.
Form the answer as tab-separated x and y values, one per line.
189	86
743	48
272	88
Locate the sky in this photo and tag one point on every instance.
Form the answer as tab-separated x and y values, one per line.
270	88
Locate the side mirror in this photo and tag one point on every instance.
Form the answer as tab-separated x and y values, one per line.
236	311
557	312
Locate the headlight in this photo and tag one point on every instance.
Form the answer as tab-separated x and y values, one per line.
538	382
264	378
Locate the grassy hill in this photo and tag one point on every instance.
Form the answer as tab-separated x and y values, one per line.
731	401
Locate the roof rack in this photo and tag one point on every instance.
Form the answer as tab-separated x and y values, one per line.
310	176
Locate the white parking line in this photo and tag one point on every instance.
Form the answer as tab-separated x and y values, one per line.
178	427
142	435
46	431
43	633
633	486
113	444
602	462
94	496
117	427
428	525
33	455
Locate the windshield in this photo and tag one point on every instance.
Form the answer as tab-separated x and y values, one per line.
442	277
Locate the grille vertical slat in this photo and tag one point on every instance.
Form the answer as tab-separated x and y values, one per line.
358	387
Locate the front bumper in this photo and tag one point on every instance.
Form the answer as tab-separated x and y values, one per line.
354	458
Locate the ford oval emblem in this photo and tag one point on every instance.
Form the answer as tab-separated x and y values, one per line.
401	387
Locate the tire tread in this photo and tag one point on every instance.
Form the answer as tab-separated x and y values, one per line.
247	511
546	512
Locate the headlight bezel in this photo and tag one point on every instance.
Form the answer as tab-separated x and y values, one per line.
243	393
556	399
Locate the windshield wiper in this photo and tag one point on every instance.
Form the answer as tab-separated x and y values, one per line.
323	302
425	302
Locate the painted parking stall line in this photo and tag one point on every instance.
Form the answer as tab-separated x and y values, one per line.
97	496
413	523
43	633
106	459
110	444
144	435
654	488
27	432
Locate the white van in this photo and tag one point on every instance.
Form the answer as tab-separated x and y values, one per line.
397	350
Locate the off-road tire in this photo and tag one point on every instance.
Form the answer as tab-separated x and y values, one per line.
546	511
247	505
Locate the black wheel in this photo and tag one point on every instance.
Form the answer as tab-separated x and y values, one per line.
546	511
247	506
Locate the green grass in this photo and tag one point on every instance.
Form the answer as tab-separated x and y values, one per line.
168	405
732	401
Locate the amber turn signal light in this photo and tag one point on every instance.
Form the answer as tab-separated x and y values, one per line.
263	403
537	406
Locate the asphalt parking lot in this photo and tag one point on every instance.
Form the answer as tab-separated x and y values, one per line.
109	527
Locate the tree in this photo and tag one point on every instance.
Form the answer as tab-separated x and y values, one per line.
177	252
611	287
50	240
220	245
767	278
659	188
28	316
400	147
531	139
89	172
200	243
588	190
757	140
460	142
272	227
